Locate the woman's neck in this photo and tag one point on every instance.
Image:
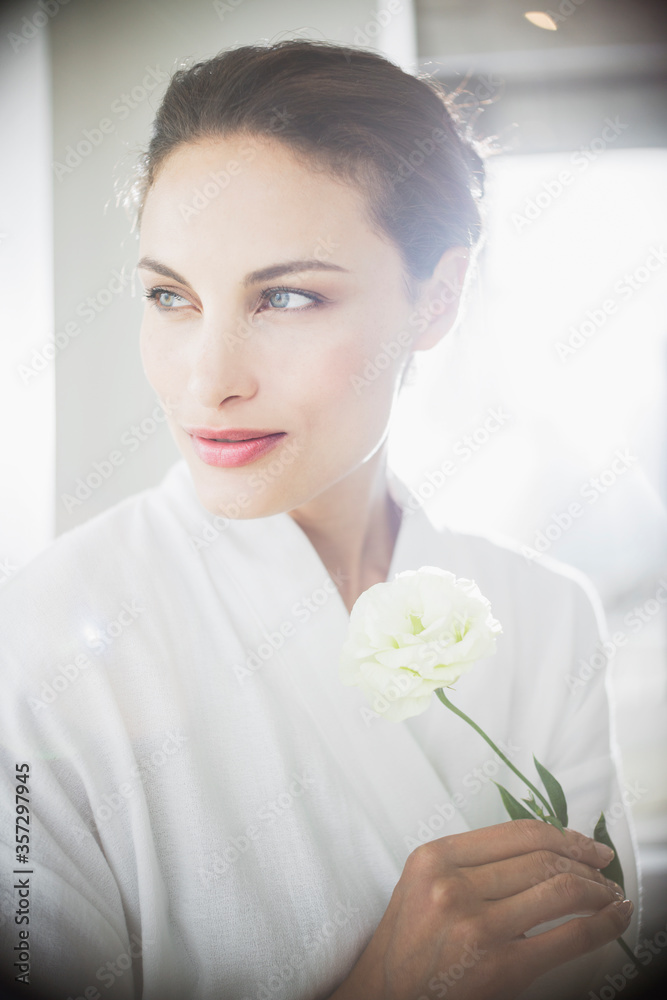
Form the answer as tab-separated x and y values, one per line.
353	527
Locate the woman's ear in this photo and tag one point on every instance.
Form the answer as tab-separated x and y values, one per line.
439	298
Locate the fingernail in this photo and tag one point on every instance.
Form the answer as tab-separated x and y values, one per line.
625	907
616	889
605	852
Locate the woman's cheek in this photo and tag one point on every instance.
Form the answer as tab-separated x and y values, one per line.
163	369
377	352
147	350
373	382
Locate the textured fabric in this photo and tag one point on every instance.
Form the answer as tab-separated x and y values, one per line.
214	816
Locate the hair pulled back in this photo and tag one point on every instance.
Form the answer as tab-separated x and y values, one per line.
349	110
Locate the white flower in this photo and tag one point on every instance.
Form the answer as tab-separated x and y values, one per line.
414	634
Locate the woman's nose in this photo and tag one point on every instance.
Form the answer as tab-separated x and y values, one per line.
224	362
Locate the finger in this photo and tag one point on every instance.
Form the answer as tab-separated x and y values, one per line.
506	878
516	838
576	937
560	896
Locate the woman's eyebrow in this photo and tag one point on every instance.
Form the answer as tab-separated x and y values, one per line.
255	277
290	267
151	264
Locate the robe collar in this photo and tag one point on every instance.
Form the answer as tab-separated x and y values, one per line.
274	562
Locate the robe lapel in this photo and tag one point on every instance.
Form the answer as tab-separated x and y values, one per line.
381	760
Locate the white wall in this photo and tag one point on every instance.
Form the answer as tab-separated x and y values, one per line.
27	396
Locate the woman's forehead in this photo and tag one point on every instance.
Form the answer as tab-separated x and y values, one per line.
234	161
255	196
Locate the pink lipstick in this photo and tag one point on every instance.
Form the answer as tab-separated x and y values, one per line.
230	448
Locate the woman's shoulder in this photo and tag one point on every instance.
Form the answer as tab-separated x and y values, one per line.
507	571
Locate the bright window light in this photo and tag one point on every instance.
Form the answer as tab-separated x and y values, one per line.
541	19
549	392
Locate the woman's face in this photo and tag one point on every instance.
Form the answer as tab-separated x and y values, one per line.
276	313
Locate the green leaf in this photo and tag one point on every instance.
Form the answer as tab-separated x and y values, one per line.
554	791
535	806
514	808
613	869
554	822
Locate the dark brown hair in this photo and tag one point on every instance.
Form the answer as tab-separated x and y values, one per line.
354	113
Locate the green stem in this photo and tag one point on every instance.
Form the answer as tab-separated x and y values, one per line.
626	949
457	711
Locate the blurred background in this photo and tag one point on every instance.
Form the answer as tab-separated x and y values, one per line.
545	410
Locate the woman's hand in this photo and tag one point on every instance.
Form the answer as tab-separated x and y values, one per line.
456	920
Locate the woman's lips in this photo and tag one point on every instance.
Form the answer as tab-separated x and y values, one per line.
230	454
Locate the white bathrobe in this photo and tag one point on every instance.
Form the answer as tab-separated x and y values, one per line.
213	814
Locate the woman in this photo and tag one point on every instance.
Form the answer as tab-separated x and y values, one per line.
213	813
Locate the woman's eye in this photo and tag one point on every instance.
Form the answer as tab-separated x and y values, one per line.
285	299
169	301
